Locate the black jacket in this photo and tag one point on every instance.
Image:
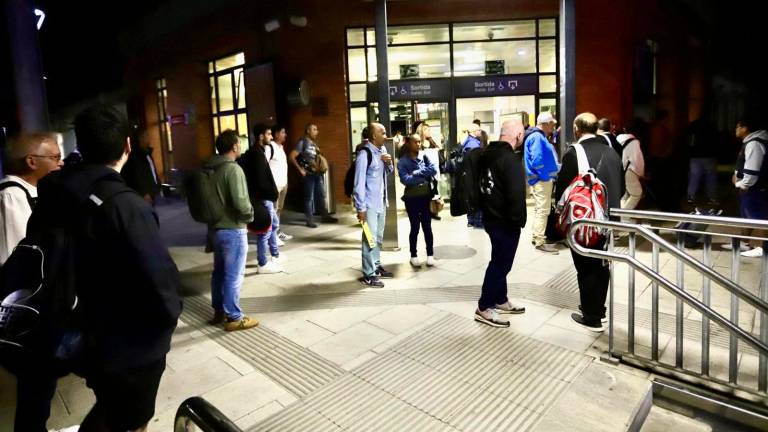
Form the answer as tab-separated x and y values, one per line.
508	172
261	184
610	172
138	173
127	283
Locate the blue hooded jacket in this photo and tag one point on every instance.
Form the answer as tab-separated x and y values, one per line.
540	158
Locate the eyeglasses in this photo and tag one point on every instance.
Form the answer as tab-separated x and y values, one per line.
55	158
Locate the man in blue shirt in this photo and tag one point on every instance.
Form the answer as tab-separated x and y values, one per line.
370	200
541	168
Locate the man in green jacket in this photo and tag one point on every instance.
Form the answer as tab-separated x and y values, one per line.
230	238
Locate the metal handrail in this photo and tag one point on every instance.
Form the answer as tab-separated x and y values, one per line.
682	217
204	415
672	288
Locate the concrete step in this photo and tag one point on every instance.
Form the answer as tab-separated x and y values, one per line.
663	420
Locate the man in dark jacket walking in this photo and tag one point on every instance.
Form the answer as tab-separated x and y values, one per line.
593	274
123	270
502	200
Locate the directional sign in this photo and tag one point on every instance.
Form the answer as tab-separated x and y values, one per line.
421	89
498	85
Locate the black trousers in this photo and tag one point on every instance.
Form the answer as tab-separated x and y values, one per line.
593	276
35	386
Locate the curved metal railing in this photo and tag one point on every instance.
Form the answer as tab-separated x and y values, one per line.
197	412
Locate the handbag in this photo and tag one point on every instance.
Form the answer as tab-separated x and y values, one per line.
421	190
321	164
436	206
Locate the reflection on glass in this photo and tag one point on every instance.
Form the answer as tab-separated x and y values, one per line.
547	83
224	87
549	104
357	121
227	122
417	34
493	111
240	88
215	127
370	37
547	27
357	92
210	67
470	58
433	61
494	30
547	56
356	64
355	37
242	124
213	97
230	62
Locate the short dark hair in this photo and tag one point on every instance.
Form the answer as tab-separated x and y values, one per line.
260	129
226	141
584	125
636	126
477	122
604	124
308	127
366	133
101	131
277	128
751	122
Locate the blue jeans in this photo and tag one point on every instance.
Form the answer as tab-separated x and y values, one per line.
372	256
419	215
504	242
475	219
269	238
706	168
314	195
230	248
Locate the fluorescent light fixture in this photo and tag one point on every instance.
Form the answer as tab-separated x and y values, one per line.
299	21
271	25
40	18
521	52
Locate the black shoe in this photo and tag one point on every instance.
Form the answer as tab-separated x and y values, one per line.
603	317
380	272
311	224
436	217
329	219
594	326
372	282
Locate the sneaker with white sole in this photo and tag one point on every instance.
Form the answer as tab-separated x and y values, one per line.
431	261
593	326
278	259
415	262
754	253
743	247
283	236
269	268
280	243
509	308
490	317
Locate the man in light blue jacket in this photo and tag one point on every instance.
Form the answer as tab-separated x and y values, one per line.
541	168
370	199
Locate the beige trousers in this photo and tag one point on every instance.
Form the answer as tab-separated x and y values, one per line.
634	193
542	203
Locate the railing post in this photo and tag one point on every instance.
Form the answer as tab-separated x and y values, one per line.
631	300
610	294
655	307
733	365
679	305
705	297
762	380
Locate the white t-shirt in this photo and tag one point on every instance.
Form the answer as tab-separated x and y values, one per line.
14	214
278	164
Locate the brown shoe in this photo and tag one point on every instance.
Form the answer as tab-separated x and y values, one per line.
243	323
218	318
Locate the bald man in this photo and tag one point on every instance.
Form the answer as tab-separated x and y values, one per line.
502	199
593	274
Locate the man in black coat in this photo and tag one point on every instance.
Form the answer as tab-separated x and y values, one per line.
501	195
139	172
127	283
593	273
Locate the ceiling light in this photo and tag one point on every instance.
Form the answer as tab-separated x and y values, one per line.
521	52
41	17
272	25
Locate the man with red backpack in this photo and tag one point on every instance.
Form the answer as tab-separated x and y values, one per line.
592	273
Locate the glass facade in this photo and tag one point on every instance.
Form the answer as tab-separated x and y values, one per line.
227	86
490	71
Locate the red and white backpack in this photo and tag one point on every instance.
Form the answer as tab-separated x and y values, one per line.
584	198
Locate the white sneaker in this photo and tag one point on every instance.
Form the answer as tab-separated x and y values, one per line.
283	236
431	261
278	259
269	268
415	262
729	246
754	253
280	243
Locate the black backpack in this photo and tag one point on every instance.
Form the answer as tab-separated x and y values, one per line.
349	178
32	201
39	312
